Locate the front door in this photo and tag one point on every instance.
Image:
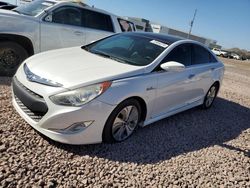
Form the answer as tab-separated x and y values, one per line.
175	89
62	28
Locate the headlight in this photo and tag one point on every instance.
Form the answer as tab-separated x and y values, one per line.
80	96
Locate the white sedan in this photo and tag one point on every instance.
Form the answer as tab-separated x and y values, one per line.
103	91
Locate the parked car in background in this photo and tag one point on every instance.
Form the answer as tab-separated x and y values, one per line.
51	24
228	55
236	56
104	90
219	52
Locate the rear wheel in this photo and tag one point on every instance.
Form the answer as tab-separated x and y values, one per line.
11	56
122	122
210	96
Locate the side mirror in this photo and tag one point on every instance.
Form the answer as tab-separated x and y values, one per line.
48	18
172	66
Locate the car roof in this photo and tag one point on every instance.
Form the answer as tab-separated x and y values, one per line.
167	39
81	3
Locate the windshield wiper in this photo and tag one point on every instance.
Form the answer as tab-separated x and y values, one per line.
101	53
120	60
111	57
16	11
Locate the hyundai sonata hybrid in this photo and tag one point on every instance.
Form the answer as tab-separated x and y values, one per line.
105	90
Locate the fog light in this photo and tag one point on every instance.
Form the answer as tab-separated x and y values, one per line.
74	128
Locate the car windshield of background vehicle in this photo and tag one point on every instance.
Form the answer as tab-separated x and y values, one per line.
129	49
34	8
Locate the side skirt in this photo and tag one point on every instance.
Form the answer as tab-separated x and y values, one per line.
170	113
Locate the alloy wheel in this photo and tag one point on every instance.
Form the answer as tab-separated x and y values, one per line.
8	58
125	123
210	96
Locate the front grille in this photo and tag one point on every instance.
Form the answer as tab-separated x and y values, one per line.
31	103
35	116
31	92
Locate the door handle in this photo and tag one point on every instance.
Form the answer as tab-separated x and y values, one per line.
212	69
191	76
150	88
78	33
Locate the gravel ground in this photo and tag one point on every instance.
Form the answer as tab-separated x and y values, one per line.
196	148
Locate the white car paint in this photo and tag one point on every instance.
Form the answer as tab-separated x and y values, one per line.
45	35
165	93
218	52
236	56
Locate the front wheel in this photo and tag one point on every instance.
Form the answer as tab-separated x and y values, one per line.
122	122
11	56
210	96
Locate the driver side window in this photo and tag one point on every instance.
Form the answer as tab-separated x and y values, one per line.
67	15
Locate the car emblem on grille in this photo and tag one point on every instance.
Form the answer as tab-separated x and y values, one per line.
35	78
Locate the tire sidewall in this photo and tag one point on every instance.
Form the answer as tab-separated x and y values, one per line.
19	51
107	131
205	99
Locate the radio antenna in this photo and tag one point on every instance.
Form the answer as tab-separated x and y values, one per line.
192	23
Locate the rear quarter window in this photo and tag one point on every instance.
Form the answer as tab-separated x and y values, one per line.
212	59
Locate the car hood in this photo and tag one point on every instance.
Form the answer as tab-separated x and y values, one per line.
5	12
75	67
12	22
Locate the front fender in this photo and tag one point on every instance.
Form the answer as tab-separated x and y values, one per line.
20	25
143	86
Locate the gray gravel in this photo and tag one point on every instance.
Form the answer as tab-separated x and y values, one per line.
193	149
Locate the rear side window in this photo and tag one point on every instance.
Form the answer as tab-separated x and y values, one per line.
180	54
96	20
126	26
200	55
67	15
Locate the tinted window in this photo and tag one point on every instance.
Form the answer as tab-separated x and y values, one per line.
180	54
119	45
130	49
125	25
96	20
67	15
200	55
212	59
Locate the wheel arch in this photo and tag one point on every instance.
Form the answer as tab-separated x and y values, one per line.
21	40
217	83
142	104
105	136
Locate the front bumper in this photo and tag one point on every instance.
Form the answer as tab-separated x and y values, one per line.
60	117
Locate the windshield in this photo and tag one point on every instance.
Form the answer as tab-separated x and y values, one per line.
130	49
34	8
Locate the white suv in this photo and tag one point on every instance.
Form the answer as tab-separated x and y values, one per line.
218	52
51	24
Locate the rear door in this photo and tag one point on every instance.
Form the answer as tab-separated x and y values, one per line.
62	28
203	64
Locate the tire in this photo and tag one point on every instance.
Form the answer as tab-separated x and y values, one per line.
11	56
111	129
210	96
